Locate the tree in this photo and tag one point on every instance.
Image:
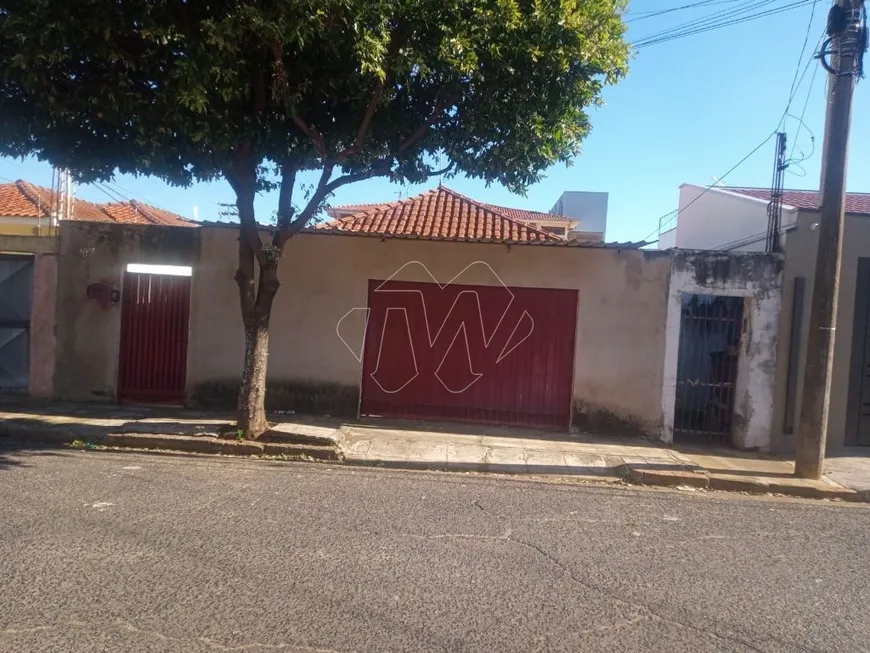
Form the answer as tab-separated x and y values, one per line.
262	93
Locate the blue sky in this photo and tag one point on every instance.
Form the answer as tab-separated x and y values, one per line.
687	112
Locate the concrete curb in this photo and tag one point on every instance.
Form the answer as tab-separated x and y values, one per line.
654	474
181	443
700	478
607	475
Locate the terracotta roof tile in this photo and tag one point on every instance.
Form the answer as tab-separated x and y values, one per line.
530	216
135	212
439	214
25	200
806	199
517	214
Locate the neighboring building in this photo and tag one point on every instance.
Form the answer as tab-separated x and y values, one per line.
29	231
436	307
558	225
590	208
587	224
27	210
735	219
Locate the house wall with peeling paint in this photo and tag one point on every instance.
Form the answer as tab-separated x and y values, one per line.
619	333
757	278
88	333
626	333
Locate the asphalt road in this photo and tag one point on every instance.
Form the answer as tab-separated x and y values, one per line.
128	552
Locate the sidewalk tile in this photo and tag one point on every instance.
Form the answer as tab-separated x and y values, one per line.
546	462
507	460
466	454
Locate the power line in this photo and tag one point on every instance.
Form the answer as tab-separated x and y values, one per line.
653	14
746	240
718	25
121	188
792	91
114	197
714	22
721	18
797	81
677	212
801	123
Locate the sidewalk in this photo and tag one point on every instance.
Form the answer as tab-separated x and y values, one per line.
417	445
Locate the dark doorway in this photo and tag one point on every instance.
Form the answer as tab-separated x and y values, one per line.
16	299
858	408
152	365
710	327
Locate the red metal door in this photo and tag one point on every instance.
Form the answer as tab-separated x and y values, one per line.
152	365
469	353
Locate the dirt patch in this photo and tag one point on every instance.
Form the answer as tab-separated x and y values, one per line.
307	397
595	419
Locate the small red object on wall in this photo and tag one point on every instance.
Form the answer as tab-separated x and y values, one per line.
104	293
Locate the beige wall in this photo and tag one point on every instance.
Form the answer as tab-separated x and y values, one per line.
620	330
800	248
42	325
88	335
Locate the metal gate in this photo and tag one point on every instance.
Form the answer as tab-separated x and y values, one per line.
152	364
469	353
710	328
16	298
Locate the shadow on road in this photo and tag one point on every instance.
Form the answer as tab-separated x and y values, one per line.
14	453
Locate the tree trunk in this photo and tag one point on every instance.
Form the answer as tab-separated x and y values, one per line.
255	316
252	393
257	290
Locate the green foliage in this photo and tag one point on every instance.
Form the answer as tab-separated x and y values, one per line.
183	90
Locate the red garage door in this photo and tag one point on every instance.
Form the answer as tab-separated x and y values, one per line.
469	353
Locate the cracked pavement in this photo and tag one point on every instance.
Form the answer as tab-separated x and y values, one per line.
114	552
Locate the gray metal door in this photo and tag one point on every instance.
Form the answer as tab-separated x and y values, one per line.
16	297
710	328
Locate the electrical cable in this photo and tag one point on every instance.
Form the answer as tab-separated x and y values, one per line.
794	80
701	27
723	17
114	197
653	14
720	25
677	212
802	124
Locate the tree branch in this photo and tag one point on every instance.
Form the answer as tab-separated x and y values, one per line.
242	181
320	193
417	134
289	171
442	171
364	125
282	83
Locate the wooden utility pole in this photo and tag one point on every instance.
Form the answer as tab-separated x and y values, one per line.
845	45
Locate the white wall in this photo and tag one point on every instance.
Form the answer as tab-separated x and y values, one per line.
719	219
668	239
